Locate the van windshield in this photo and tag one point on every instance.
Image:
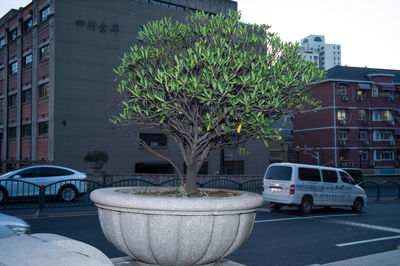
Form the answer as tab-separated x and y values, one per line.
279	173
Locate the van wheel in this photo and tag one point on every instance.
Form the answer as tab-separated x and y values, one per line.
358	205
306	205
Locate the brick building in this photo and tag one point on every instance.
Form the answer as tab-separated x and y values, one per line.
358	124
57	84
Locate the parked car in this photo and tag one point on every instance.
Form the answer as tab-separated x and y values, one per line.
306	186
356	174
13	226
27	182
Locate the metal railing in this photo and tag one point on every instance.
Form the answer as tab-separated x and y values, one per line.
24	195
19	194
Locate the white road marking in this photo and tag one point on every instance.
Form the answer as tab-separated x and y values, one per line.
368	226
304	217
367	241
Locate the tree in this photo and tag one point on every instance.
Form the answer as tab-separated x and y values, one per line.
212	81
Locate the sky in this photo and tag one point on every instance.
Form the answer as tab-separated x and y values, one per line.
367	30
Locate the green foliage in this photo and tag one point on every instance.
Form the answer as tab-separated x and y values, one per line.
96	156
212	80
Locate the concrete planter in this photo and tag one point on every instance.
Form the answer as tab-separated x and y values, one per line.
175	231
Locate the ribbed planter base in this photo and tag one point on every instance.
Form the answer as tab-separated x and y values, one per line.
175	231
128	261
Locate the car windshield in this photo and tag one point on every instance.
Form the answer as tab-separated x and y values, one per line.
279	173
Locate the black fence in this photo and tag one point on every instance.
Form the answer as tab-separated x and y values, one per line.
16	194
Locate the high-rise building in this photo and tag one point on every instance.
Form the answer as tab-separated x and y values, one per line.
57	85
357	124
314	49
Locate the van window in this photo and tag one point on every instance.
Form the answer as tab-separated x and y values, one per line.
346	178
329	176
279	173
309	174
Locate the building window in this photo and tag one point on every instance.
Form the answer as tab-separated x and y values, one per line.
1	42
12	132
363	135
13	34
364	155
27	60
343	135
234	167
383	155
26	96
43	128
44	53
26	131
361	93
154	140
27	25
44	90
382	115
382	135
44	13
342	90
343	154
341	115
12	100
14	68
375	91
362	114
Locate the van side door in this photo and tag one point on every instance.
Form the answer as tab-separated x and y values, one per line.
309	183
332	189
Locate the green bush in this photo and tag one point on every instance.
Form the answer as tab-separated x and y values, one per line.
96	156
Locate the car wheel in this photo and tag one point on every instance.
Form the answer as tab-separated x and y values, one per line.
3	195
358	205
306	205
67	194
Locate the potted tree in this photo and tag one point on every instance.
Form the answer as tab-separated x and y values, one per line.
209	82
97	159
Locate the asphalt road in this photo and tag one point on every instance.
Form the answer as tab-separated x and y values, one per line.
278	238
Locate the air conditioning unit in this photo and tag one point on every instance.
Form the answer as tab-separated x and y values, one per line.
360	98
372	163
342	122
390	98
342	142
345	98
366	142
392	143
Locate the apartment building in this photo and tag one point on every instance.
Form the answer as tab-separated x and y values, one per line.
57	87
314	49
358	122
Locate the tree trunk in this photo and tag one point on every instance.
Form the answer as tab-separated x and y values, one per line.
191	178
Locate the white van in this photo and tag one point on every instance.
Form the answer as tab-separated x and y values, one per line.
306	186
